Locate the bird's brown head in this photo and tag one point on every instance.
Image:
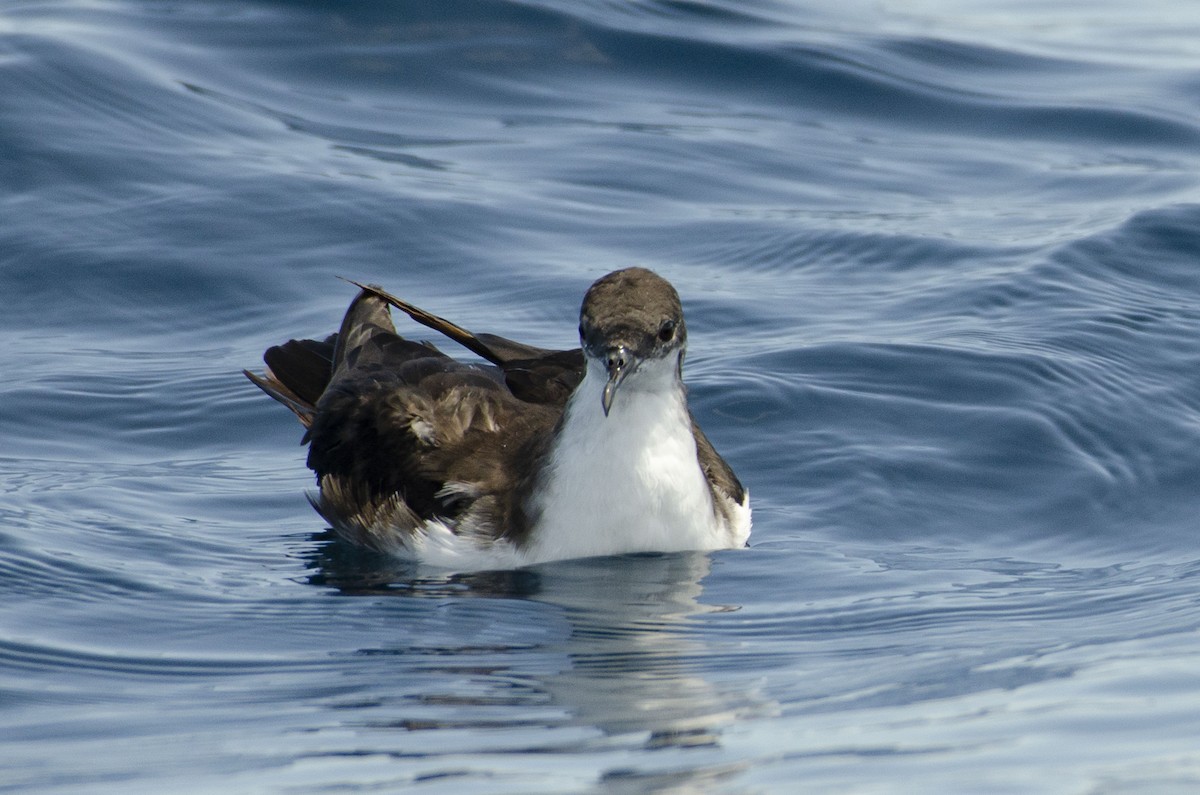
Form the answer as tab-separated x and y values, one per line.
629	317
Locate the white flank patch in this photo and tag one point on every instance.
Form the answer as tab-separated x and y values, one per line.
435	544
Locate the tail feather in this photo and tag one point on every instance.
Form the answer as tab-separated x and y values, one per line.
304	366
268	383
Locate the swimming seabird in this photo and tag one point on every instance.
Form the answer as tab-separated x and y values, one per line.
542	455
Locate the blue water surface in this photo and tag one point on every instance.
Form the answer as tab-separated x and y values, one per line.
941	263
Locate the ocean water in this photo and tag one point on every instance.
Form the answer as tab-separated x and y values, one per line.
941	263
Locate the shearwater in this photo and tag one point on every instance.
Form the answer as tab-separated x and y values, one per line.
539	456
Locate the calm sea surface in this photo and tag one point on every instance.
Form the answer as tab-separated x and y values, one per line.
942	267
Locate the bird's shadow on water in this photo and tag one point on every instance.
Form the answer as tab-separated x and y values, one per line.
354	571
628	634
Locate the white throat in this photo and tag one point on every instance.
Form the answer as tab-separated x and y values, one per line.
627	482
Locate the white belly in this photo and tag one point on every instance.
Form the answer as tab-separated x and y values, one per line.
627	482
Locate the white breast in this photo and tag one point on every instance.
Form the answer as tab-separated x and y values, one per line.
630	481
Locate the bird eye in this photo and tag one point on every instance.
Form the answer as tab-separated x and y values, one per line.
666	332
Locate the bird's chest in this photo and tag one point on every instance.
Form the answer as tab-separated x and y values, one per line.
627	482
